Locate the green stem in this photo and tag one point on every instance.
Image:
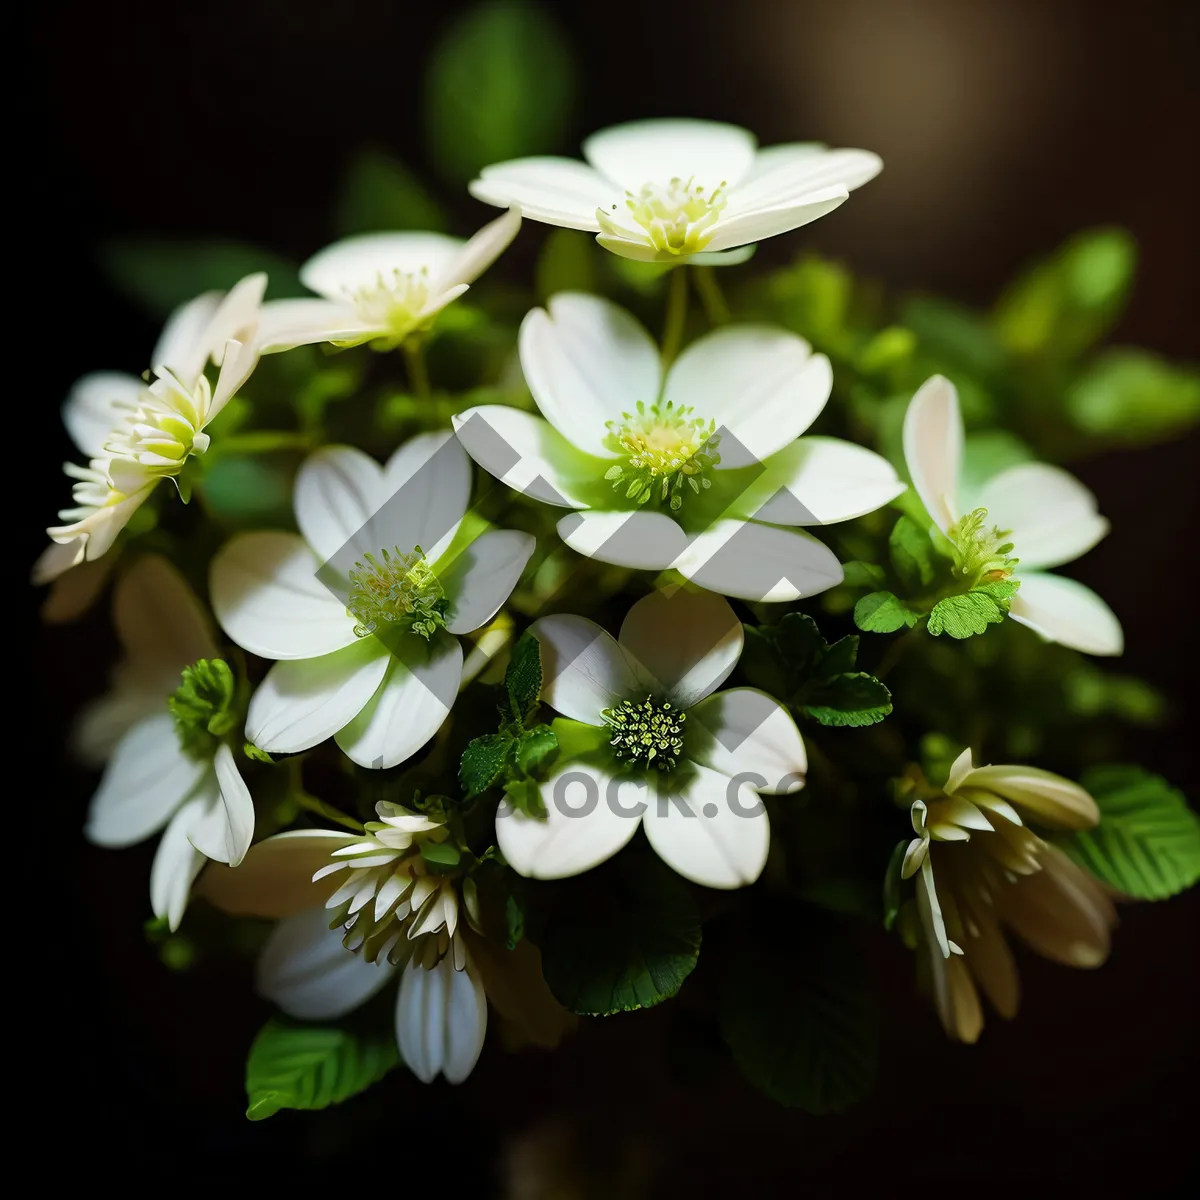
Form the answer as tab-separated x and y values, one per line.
677	301
312	804
716	308
418	373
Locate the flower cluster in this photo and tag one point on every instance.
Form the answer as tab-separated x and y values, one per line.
562	617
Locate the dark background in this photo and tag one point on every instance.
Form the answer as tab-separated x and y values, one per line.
1005	126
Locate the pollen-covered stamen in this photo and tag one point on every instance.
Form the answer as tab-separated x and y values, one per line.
397	300
396	589
647	733
665	447
981	555
203	706
678	219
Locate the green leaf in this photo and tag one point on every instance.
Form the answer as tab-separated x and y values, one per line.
534	746
972	612
954	337
1132	397
312	1066
567	263
1147	844
499	86
523	678
514	921
576	739
441	854
380	193
525	797
625	935
854	700
863	574
912	554
802	1022
160	274
483	762
882	612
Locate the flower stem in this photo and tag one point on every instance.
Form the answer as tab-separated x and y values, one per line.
418	373
716	308
677	301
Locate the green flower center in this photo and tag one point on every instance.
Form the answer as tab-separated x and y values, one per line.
981	554
203	707
665	447
396	589
646	732
679	218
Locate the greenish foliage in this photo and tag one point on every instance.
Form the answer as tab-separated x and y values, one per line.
379	193
972	612
1133	397
882	612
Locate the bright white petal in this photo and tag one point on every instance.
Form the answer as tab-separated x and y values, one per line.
96	405
268	598
1052	516
587	361
176	864
305	969
337	489
747	734
481	251
763	386
756	225
286	324
147	779
640	152
590	815
933	448
235	319
237	365
788	173
160	622
427	489
410	704
714	832
646	541
634	250
182	347
1050	798
57	559
365	261
683	644
224	831
91	536
482	577
759	562
302	702
1065	611
583	668
558	191
441	1020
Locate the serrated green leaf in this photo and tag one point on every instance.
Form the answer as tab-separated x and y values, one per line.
839	657
535	746
1147	844
971	613
882	612
799	641
912	554
624	936
379	193
523	679
312	1066
855	699
525	796
483	762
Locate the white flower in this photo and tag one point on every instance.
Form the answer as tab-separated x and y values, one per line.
382	287
136	434
665	191
1046	514
994	872
361	612
168	768
354	907
699	471
668	752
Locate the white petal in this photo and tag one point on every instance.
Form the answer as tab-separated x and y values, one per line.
759	562
933	448
441	1020
337	490
410	705
756	225
528	454
747	734
784	174
182	347
236	318
147	779
633	248
427	489
714	831
305	969
57	559
590	815
481	251
224	832
237	365
361	262
176	864
683	644
640	152
646	541
583	668
96	405
1050	798
92	535
959	769
286	324
587	361
820	481
479	580
160	622
1052	516
761	385
302	702
558	191
268	598
1065	611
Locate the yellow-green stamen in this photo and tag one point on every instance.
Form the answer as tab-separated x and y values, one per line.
665	446
981	555
398	590
647	733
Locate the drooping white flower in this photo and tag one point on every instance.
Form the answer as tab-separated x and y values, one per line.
1046	514
703	471
162	727
382	287
666	191
669	753
981	870
352	908
137	434
362	611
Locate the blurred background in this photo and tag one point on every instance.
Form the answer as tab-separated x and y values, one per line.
1005	126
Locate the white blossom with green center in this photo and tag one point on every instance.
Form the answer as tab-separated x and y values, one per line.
702	469
362	610
673	190
663	748
1033	514
382	288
